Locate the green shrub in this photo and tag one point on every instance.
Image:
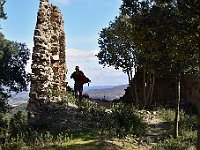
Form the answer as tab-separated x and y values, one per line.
70	98
18	125
187	131
188	122
167	115
181	143
127	121
16	145
3	129
120	121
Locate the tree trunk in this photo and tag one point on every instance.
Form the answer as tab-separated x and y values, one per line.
148	88
129	78
151	89
198	117
133	85
198	130
135	91
144	87
176	120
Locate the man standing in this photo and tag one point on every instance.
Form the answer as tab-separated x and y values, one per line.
78	84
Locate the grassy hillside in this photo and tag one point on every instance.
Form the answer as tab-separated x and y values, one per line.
101	125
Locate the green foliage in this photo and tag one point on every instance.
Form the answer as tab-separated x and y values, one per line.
3	122
94	122
127	120
180	143
70	98
166	114
15	110
157	37
92	112
13	60
120	121
4	126
4	95
16	145
18	125
115	47
2	13
187	122
188	134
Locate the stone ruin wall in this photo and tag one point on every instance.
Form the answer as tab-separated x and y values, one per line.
191	89
165	90
48	58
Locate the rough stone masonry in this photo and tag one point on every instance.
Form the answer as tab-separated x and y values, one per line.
48	59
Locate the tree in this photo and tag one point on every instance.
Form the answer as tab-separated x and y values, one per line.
156	34
190	12
13	60
165	36
138	11
115	47
13	77
2	13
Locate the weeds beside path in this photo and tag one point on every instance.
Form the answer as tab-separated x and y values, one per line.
156	132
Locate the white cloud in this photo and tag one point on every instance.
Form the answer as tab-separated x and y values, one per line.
88	63
65	2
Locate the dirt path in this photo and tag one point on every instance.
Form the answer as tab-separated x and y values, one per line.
157	128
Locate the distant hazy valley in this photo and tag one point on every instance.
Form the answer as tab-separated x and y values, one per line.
107	93
95	92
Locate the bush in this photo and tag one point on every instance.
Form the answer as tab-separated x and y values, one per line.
16	145
3	129
187	131
120	121
167	114
18	125
188	122
181	143
127	121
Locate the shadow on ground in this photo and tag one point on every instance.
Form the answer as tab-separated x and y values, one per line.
93	145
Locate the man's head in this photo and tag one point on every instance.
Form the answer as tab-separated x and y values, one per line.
77	68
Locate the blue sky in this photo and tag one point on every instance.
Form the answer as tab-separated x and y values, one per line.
83	20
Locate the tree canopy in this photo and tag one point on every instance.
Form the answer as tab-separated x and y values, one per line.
13	60
116	47
2	13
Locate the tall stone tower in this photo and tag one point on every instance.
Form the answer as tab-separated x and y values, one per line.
48	59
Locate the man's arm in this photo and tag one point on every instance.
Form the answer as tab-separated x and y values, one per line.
72	75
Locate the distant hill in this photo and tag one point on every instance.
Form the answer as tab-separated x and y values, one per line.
19	98
94	92
109	93
86	88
